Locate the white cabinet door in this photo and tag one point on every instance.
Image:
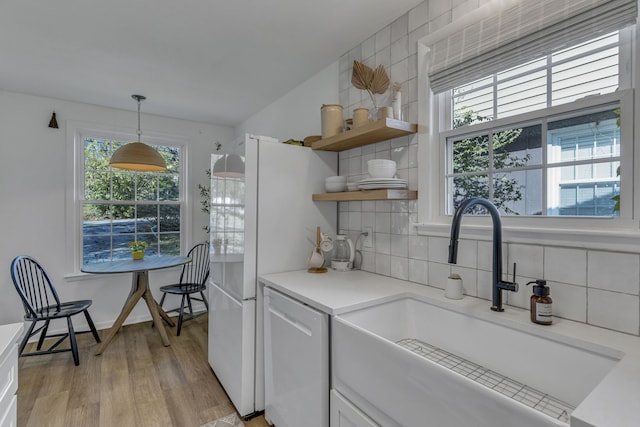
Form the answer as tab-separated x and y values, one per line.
296	363
345	414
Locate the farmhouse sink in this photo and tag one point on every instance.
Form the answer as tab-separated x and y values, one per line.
412	361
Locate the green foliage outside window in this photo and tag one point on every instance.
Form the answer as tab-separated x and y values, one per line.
471	155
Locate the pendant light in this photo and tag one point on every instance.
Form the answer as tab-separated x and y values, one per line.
138	156
229	166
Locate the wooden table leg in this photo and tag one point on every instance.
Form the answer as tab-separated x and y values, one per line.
155	315
131	302
164	315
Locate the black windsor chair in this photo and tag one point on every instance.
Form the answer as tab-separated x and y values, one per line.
193	280
41	304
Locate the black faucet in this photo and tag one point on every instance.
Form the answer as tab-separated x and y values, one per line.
498	283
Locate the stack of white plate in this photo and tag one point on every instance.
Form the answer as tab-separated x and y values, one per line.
379	183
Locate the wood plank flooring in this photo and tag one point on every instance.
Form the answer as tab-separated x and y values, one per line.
135	382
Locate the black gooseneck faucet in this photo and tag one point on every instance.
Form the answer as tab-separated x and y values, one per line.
498	283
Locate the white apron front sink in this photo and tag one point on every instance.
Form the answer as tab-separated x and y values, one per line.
464	369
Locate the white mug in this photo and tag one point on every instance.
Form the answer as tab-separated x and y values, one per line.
316	259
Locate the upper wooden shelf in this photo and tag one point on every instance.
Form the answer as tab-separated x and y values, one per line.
388	194
370	133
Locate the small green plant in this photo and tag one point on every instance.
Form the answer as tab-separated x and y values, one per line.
138	246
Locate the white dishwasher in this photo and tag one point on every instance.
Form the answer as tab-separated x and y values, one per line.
296	341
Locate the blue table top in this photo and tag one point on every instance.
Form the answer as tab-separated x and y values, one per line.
129	265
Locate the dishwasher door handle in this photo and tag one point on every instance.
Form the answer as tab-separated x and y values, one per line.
291	321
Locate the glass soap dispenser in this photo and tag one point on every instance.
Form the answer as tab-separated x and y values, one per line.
541	311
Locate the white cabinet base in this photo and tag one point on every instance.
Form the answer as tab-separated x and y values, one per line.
345	414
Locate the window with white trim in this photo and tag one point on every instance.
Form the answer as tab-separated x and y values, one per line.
542	138
120	206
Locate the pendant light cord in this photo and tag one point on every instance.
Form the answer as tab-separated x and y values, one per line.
139	98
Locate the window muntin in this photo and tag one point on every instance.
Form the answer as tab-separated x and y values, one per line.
120	206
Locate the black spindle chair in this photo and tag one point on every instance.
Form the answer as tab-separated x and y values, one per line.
193	280
41	304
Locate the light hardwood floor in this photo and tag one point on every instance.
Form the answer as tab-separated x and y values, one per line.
135	382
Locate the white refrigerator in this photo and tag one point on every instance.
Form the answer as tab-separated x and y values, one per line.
267	225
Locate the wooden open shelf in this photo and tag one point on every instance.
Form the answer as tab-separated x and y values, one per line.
370	133
385	194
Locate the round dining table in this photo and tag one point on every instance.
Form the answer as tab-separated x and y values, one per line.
139	289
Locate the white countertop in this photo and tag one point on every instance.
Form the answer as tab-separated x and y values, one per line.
615	402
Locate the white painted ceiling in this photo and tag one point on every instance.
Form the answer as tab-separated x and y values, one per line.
212	61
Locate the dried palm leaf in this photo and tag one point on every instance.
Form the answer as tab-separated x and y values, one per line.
380	81
361	76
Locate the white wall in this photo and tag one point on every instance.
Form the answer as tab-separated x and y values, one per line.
297	113
32	194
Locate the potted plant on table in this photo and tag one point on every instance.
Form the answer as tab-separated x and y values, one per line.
137	249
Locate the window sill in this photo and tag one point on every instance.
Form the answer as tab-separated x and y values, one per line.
618	240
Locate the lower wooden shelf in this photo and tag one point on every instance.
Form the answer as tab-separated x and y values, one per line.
384	194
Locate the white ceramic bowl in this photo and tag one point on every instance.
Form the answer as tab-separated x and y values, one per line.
335	187
385	162
336	180
378	169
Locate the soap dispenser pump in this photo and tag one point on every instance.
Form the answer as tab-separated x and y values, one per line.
541	312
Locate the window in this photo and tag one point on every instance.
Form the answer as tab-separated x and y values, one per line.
542	138
120	206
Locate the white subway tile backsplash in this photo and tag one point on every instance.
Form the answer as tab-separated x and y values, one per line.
383	38
368	219
383	264
565	265
569	301
400	27
438	249
529	259
400	70
400	246
437	8
485	256
382	243
613	310
383	57
417	16
418	246
400	223
400	155
399	52
368	261
355	221
383	205
399	267
355	166
383	222
343	218
485	286
368	206
438	274
368	49
614	271
467	253
418	271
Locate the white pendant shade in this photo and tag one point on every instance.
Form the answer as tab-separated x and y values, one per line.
139	157
229	166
